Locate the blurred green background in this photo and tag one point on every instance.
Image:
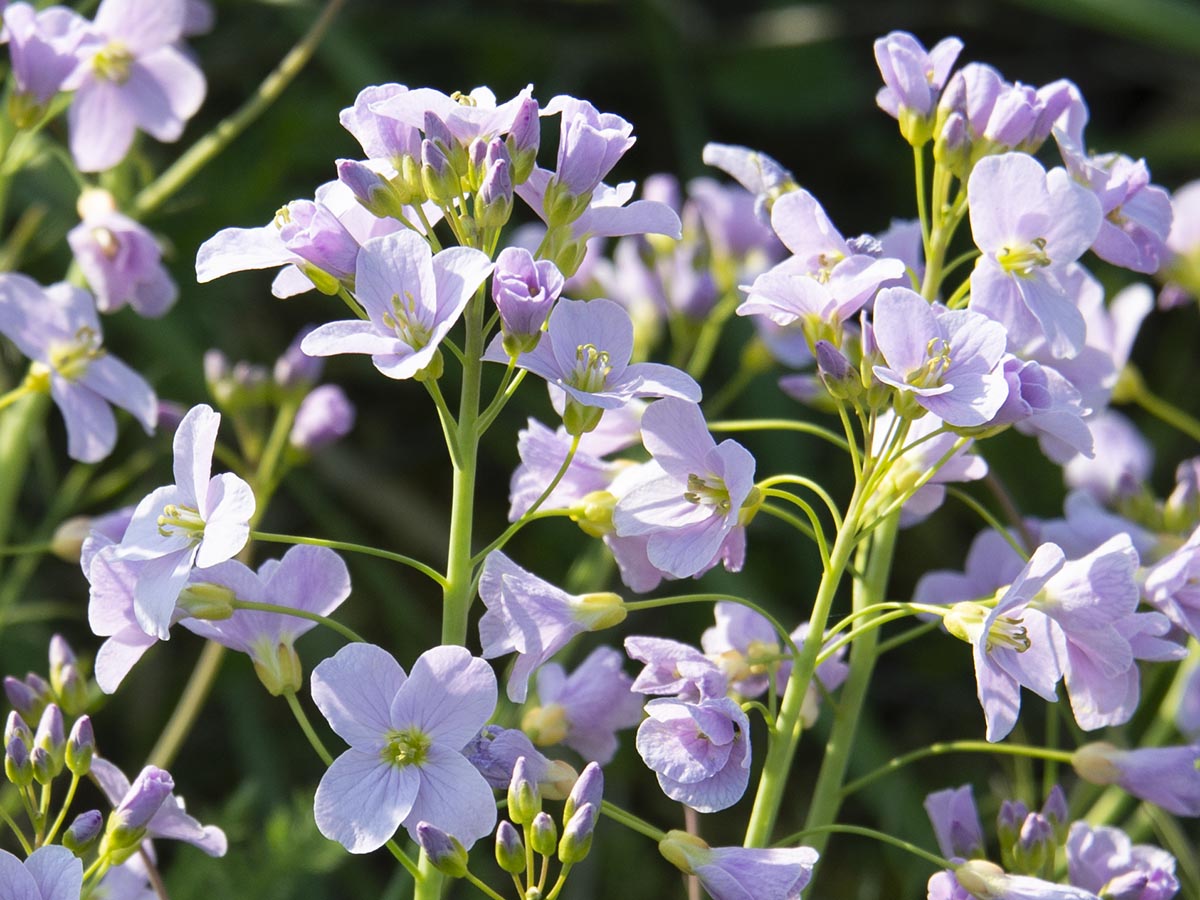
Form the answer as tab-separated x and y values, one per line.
794	80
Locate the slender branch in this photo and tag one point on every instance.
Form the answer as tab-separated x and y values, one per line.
783	633
939	861
302	720
983	513
779	425
341	629
630	821
351	548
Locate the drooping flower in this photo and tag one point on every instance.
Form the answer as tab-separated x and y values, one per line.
947	362
132	74
407	734
955	820
120	259
1105	861
689	501
1029	225
1043	403
50	873
1164	776
309	579
741	873
533	618
590	144
58	329
412	298
699	751
586	352
586	709
524	291
201	519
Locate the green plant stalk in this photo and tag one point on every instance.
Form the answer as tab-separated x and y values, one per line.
782	748
17	425
827	798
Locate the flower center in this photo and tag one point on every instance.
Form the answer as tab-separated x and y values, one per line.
707	491
108	243
406	748
930	374
405	321
463	99
965	621
72	359
113	62
591	368
827	262
183	520
1023	260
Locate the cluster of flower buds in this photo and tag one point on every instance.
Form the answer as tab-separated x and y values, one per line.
68	686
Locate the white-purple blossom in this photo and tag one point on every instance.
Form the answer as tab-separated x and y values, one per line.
325	415
41	46
672	668
590	144
955	820
913	77
407	735
524	290
741	873
1105	861
58	329
1165	776
761	175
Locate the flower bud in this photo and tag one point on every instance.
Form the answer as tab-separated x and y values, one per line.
600	610
510	849
1008	826
1035	844
67	540
557	781
546	725
18	767
437	175
524	799
16	729
835	370
588	788
295	369
684	851
543	834
1055	812
579	419
374	193
1181	512
81	835
51	736
326	415
523	140
279	670
525	291
495	200
127	823
444	850
203	600
593	513
981	878
73	694
437	132
576	841
217	376
21	697
43	763
81	747
952	148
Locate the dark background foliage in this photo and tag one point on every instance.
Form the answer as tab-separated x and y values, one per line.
794	80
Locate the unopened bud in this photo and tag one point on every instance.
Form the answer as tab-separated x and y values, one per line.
593	513
69	536
523	140
524	799
981	878
543	834
1035	844
18	767
600	610
952	148
836	372
127	823
280	670
684	851
325	415
73	694
588	788
44	767
81	747
51	736
576	841
16	729
437	175
546	725
295	369
445	851
1008	827
1055	812
81	835
374	193
510	849
557	781
21	697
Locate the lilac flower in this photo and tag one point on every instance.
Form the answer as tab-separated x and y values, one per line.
169	819
912	78
1029	225
1121	464
382	138
542	453
199	520
585	710
1164	776
732	228
325	415
120	259
741	873
758	173
533	618
50	873
1042	402
407	734
946	362
1105	861
590	144
740	637
1136	213
465	117
987	881
1173	585
689	500
524	291
955	821
41	46
1181	270
58	329
310	579
825	282
494	753
699	751
675	668
131	75
412	299
586	352
1086	525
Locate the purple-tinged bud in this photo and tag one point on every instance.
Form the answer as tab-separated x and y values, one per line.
510	849
543	834
524	799
44	768
218	377
374	193
127	823
21	697
836	372
51	736
1008	826
326	415
952	148
525	291
16	729
495	200
1054	810
444	850
437	175
81	835
68	538
73	695
589	788
1035	844
523	140
316	235
61	655
576	841
81	747
18	767
295	368
437	131
1013	116
476	157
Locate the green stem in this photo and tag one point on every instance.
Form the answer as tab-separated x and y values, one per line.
302	720
905	636
1165	411
62	813
710	334
16	829
779	425
17	427
782	748
834	512
350	548
482	886
818	531
867	592
922	203
784	634
940	862
630	821
23	549
983	513
204	150
341	629
940	749
188	708
266	478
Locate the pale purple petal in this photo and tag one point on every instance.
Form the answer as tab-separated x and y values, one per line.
239	249
102	126
159	582
354	690
362	800
91	426
230	503
120	385
449	696
348	336
194	443
453	796
57	873
119	654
